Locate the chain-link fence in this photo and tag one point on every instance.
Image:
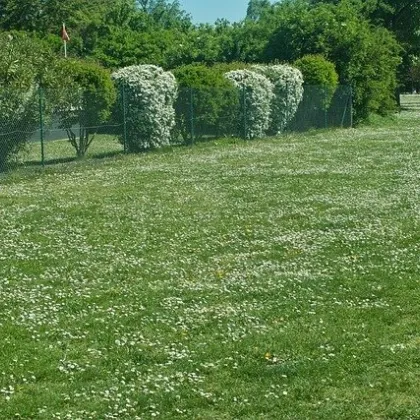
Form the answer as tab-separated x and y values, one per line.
41	127
314	112
212	113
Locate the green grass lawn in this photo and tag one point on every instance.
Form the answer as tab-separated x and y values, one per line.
274	279
410	101
61	151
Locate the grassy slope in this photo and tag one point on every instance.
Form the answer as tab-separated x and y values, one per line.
272	279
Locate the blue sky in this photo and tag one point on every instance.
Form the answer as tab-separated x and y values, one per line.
207	11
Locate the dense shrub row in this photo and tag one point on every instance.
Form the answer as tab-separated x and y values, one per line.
155	106
368	42
249	102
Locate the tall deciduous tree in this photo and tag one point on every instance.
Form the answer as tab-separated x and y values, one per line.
45	16
399	16
168	14
366	57
257	8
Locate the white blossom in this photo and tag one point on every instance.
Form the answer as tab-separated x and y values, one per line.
256	102
288	93
149	95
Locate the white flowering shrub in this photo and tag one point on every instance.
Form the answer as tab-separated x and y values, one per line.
288	93
256	93
146	95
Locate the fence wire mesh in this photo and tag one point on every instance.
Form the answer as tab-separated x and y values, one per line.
39	127
211	113
315	112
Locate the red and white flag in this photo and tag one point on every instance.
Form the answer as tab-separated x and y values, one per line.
64	35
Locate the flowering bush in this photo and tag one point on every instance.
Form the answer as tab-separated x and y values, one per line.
288	93
146	94
256	96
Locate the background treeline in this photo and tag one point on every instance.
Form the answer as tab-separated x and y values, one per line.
374	44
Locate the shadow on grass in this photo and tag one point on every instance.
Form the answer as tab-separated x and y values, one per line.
57	161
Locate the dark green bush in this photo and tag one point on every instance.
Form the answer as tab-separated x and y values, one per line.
321	76
83	101
207	102
366	57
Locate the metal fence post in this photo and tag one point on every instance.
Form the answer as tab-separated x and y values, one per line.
284	123
398	98
346	106
192	133
124	118
41	124
244	106
326	108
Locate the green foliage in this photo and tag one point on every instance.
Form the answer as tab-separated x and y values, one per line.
24	60
22	63
257	8
166	14
249	40
206	103
125	47
317	70
116	34
204	44
131	34
321	74
366	57
375	83
349	33
223	68
402	17
46	16
415	73
82	101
